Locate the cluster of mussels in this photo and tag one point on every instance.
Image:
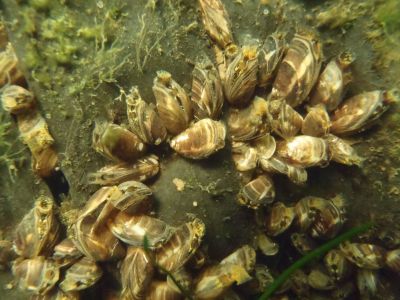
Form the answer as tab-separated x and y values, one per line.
154	257
21	103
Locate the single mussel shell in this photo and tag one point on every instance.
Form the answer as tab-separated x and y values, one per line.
393	260
202	139
132	230
173	104
66	253
367	282
143	119
275	164
136	273
366	256
319	279
270	56
38	275
337	264
299	69
117	143
307	209
207	95
302	242
143	169
39	230
304	151
244	156
360	112
181	245
285	120
81	275
241	77
10	71
316	122
267	246
16	99
342	152
279	218
216	22
258	192
330	87
249	123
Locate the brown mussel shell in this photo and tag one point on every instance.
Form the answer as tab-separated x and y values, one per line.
81	275
366	256
160	290
143	169
207	95
181	246
279	218
136	273
202	139
258	192
173	104
342	152
143	119
10	71
299	69
316	122
241	77
16	99
117	143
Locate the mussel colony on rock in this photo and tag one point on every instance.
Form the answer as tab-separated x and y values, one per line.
269	133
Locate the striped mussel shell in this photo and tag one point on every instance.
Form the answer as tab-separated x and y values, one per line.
337	264
266	245
90	233
393	260
265	146
366	256
258	192
302	242
269	57
37	275
136	273
316	122
328	221
181	246
207	95
173	103
329	89
183	277
133	229
249	123
299	69
241	77
360	112
275	164
342	152
307	209
16	99
39	230
117	143
244	256
216	22
161	290
66	253
285	121
216	280
244	156
279	218
367	283
202	139
10	71
143	169
81	275
143	119
304	151
320	279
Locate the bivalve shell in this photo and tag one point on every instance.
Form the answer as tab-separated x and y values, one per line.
181	246
81	275
173	104
366	256
241	77
16	99
143	119
393	260
342	152
316	122
258	192
207	95
117	143
200	140
361	111
299	69
160	290
10	71
279	218
304	151
136	273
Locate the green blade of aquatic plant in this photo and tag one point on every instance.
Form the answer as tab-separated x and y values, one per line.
311	256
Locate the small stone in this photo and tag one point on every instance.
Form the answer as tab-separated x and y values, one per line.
179	184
